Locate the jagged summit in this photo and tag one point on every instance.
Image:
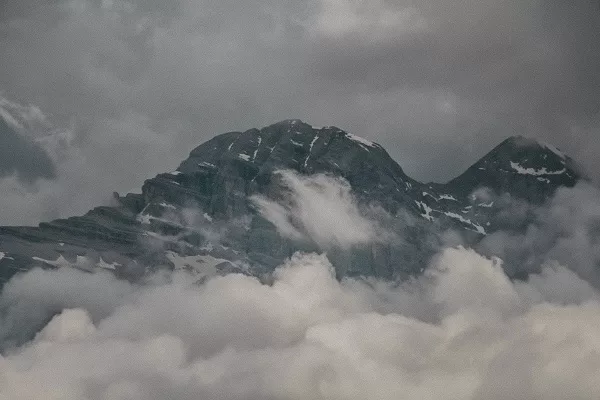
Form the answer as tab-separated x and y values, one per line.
252	156
290	143
200	216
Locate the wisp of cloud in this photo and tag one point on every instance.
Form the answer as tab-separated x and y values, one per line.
319	208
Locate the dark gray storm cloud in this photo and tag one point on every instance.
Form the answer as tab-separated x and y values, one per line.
438	83
23	157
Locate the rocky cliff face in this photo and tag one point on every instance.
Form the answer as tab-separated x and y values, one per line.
201	217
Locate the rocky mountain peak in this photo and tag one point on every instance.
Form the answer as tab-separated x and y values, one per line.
289	144
201	216
253	155
523	167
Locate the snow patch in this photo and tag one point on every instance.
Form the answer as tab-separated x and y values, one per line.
312	143
535	172
430	195
447	197
59	262
257	147
167	205
478	228
104	265
144	218
360	140
427	215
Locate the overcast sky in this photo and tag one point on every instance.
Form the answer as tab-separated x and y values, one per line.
126	89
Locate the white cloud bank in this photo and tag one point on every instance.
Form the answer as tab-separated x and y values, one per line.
463	331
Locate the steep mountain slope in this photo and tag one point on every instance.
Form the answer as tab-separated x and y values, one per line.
201	217
522	167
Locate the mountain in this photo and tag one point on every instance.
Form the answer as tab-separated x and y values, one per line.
523	167
202	216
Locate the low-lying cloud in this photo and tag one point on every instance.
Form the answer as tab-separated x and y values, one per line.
319	208
565	229
461	331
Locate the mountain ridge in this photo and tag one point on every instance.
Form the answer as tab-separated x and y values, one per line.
210	191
